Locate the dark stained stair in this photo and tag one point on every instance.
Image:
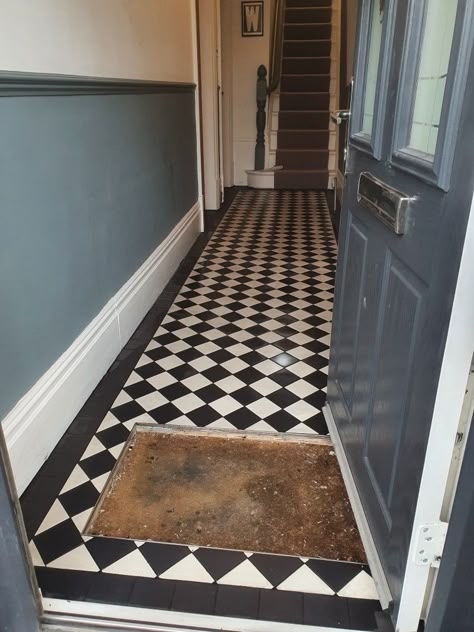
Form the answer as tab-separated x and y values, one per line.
303	120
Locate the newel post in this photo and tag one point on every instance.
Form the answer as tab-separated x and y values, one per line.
261	117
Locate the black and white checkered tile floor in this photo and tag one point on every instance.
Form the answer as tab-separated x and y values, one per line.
244	346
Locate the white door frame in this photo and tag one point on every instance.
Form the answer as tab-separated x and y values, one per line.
444	426
211	114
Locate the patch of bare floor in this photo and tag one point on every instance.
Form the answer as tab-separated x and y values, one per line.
230	490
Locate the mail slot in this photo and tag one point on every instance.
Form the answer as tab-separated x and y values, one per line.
386	203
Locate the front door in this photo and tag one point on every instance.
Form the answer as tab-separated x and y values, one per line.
401	239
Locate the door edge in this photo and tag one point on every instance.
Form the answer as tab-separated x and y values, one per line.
381	584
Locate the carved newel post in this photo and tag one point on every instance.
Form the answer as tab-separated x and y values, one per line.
261	117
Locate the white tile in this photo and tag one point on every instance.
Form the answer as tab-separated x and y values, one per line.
301	388
301	369
267	367
35	556
202	364
116	451
265	386
207	347
55	515
170	362
79	559
261	426
108	421
269	351
361	587
76	478
188	569
161	380
263	407
152	400
225	405
133	379
234	365
144	359
122	398
178	346
80	520
195	382
230	384
238	349
189	402
301	353
305	581
245	574
132	564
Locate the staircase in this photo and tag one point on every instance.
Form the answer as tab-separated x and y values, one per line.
303	119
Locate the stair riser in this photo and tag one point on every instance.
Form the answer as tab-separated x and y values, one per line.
303	120
307	49
307	31
308	3
302	159
303	16
304	101
302	140
316	66
288	180
305	84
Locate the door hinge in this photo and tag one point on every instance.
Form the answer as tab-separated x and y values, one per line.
430	544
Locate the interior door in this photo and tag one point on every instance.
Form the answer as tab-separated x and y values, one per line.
411	128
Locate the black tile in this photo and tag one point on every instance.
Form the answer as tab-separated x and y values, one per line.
57	541
318	424
152	593
204	415
284	359
183	371
283	398
162	556
106	551
127	411
194	597
284	377
362	613
276	568
237	601
110	437
246	395
98	464
80	498
324	610
210	393
219	562
335	574
37	500
65	454
281	421
113	589
282	606
174	391
242	418
165	414
57	583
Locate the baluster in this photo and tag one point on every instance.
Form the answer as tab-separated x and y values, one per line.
261	117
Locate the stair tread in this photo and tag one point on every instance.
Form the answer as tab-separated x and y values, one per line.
307	40
294	171
305	150
293	92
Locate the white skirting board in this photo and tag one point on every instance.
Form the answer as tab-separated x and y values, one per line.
39	420
373	559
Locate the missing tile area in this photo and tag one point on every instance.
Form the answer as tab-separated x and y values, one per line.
230	490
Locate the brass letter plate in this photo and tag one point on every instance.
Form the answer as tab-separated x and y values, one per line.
386	203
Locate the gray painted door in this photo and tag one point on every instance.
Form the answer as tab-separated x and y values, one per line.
412	128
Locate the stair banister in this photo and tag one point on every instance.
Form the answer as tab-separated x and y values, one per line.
263	88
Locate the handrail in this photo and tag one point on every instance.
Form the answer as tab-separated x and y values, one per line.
277	45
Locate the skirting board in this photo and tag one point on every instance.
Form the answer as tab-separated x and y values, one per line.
92	617
39	420
373	559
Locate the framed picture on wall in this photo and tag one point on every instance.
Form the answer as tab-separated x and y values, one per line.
252	19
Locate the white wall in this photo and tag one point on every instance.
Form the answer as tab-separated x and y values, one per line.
241	58
126	39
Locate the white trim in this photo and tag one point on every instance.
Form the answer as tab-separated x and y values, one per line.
373	559
457	359
40	418
197	107
141	618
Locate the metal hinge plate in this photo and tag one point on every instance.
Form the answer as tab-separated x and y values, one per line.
431	538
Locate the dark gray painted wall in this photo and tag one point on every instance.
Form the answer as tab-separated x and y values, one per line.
90	184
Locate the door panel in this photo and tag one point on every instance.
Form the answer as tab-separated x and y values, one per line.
394	292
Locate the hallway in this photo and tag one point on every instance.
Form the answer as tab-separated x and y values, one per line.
244	346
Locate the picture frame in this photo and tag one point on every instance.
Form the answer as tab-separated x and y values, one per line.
252	14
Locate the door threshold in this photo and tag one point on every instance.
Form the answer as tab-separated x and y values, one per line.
71	616
373	559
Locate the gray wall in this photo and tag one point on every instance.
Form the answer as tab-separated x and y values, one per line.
90	184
